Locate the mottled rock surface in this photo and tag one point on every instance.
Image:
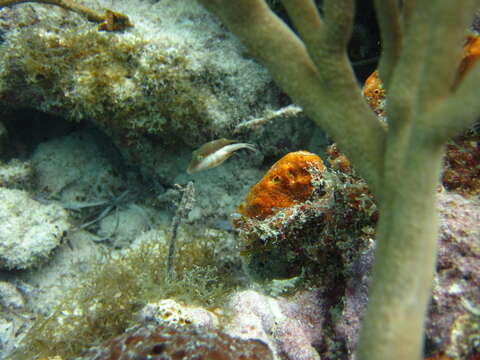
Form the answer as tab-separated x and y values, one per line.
16	174
326	320
175	78
29	231
292	326
453	321
454	317
178	343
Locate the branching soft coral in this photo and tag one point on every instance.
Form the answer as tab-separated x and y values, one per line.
421	52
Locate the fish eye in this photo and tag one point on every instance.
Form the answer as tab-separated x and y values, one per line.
199	157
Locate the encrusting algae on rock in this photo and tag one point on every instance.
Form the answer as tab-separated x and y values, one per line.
177	343
283	211
300	212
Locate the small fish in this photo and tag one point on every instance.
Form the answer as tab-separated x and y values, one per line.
214	153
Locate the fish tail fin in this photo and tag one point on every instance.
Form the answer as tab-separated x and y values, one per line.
250	147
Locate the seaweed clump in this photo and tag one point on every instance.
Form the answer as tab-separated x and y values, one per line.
109	297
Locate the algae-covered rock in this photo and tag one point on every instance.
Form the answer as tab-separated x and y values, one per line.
171	342
176	75
171	312
10	296
75	168
174	81
16	174
29	231
453	324
453	320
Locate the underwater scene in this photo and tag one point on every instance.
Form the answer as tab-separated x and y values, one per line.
239	180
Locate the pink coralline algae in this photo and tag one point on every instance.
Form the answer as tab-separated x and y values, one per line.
453	324
178	343
453	321
323	321
291	325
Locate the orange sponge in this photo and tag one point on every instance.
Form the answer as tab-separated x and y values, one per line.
288	182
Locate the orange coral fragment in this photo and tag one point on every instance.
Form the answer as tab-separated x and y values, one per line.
288	182
374	93
337	160
471	52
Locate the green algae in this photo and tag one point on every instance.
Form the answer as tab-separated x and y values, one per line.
108	298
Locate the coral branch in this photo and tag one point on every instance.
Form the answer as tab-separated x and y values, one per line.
408	6
406	79
307	20
391	29
444	51
339	19
459	111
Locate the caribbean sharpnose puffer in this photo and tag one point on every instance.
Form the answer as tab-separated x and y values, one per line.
214	153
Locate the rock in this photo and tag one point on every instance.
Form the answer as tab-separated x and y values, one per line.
10	297
7	336
29	231
16	174
453	321
325	321
170	312
291	326
75	169
176	77
176	343
454	316
122	225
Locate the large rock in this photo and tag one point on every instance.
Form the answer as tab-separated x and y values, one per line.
29	231
177	76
